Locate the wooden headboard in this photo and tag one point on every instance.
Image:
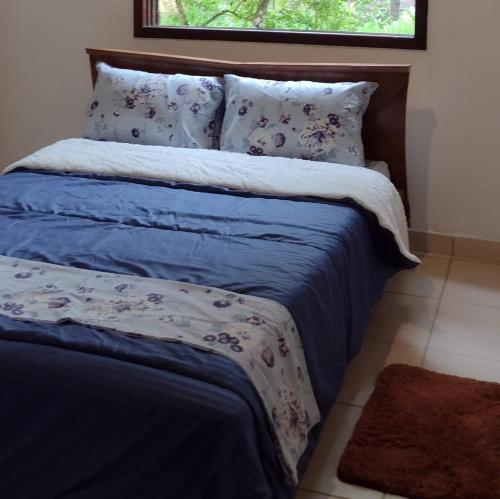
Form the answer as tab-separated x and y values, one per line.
384	125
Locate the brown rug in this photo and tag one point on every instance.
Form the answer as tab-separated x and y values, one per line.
426	435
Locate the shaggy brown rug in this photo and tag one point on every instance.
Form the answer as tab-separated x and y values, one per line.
426	435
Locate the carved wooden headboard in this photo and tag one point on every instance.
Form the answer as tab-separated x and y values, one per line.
384	125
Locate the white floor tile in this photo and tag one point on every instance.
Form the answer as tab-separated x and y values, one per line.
426	280
362	372
461	365
402	319
322	472
473	282
465	342
466	329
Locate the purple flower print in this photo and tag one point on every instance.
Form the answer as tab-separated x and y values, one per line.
121	288
285	118
284	351
294	418
14	308
195	108
207	84
182	89
263	122
83	290
307	157
268	357
232	341
94	105
256	151
334	120
274	414
152	113
173	106
122	307
328	91
155	298
318	137
243	110
300	373
279	140
23	275
307	419
222	304
135	133
129	103
210	338
224	338
255	320
59	302
308	109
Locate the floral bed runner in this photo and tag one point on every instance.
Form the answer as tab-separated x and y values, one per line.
258	334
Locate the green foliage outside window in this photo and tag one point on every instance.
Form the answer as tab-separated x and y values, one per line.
354	16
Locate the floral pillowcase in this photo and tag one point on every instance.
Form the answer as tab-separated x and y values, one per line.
154	109
306	120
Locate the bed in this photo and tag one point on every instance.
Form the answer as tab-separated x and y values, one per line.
88	412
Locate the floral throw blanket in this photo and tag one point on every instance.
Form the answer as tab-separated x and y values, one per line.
257	333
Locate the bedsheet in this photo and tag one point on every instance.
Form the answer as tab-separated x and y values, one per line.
80	417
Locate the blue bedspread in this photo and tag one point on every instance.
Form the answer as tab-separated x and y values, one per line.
89	414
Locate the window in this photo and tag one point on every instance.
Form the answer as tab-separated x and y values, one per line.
365	23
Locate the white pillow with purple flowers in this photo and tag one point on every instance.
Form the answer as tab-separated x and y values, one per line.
296	119
154	109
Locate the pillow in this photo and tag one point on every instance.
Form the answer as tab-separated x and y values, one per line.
154	109
296	119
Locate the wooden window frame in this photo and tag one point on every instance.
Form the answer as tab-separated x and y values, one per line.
146	18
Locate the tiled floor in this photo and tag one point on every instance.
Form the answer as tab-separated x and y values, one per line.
444	316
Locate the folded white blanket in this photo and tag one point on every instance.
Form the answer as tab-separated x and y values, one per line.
260	175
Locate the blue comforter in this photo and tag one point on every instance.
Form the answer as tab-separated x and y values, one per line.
90	414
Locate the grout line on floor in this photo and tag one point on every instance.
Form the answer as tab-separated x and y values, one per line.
476	260
475	357
350	405
322	493
411	294
468	302
388	292
434	320
392	342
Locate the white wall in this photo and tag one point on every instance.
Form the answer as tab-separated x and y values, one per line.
454	102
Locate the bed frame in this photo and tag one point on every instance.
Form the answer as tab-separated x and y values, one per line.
384	125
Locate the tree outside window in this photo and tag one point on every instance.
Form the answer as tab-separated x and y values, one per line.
270	20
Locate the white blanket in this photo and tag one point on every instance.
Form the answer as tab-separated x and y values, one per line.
260	175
